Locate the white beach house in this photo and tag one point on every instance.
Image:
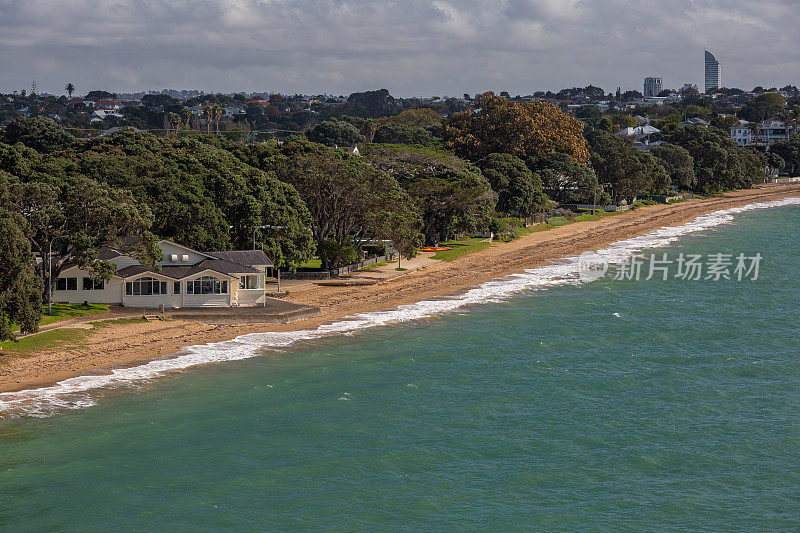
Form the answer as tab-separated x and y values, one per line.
185	278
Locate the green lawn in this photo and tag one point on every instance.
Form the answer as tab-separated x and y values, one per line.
312	263
44	341
461	248
66	311
58	338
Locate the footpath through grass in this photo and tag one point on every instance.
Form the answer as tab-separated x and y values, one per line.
67	311
59	338
461	248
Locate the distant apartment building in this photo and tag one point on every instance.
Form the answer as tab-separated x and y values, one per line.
652	86
689	88
713	72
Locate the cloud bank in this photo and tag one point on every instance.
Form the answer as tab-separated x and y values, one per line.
411	47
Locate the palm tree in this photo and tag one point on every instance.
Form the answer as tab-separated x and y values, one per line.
70	89
207	114
186	115
175	121
217	116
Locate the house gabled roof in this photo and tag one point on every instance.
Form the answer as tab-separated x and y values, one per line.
186	248
244	257
220	266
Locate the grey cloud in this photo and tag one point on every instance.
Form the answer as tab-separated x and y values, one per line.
410	47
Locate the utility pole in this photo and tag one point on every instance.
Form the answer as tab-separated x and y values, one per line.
277	268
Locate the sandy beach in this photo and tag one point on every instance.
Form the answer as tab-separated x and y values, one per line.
130	344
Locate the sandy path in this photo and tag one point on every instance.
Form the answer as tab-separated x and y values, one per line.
132	343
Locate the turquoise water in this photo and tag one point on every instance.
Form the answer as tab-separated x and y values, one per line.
546	411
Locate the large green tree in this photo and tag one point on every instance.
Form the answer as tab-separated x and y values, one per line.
519	191
20	287
789	151
349	200
40	133
565	181
719	163
335	132
762	107
678	163
628	171
452	195
523	129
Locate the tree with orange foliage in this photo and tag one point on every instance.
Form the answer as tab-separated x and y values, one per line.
523	129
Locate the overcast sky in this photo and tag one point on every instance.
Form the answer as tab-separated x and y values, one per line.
411	47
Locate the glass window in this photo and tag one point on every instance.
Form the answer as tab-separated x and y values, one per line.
176	287
147	286
89	284
72	284
129	288
207	285
249	282
61	284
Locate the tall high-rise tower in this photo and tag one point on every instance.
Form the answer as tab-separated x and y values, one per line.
713	72
652	86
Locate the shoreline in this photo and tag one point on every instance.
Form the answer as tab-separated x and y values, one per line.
134	344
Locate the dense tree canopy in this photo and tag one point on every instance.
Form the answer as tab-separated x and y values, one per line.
397	133
182	189
762	107
628	171
719	164
523	129
335	132
519	191
20	288
349	200
565	181
452	195
40	133
678	163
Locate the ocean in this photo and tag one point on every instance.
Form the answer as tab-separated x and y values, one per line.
542	401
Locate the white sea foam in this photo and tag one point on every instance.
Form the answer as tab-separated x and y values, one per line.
77	392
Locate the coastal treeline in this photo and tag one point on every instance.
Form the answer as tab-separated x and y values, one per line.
411	176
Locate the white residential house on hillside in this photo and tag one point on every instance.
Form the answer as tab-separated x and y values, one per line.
767	132
184	278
